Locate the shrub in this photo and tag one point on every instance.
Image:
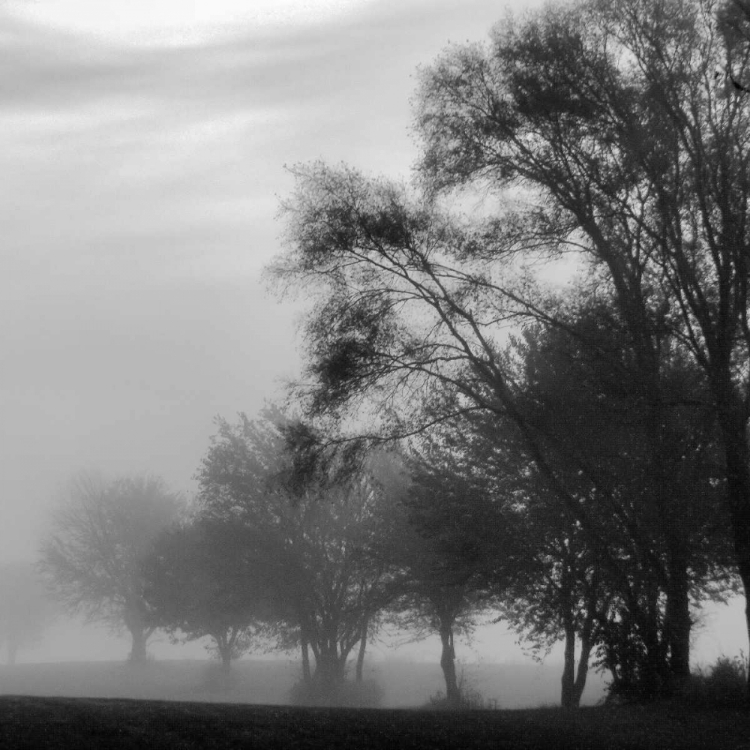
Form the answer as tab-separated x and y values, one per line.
470	699
724	685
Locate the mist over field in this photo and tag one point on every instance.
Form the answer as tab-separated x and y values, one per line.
73	659
394	683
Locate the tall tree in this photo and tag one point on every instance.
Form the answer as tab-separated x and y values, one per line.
628	122
421	311
101	532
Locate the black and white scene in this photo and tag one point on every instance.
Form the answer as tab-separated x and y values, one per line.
375	374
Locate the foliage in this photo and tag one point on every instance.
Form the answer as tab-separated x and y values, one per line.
200	582
628	122
624	126
316	541
723	685
101	532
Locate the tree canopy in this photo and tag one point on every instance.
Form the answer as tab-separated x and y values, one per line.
101	532
614	134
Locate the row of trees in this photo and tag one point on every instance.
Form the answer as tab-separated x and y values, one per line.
297	541
611	413
286	546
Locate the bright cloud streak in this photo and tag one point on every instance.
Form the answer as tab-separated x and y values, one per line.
175	22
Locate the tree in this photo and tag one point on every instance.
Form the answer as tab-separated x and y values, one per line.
658	505
315	540
200	583
101	533
414	313
632	153
447	547
628	122
26	610
479	493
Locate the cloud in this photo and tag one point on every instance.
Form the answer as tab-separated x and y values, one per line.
174	22
140	185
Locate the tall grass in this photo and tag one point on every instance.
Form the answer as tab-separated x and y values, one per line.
723	685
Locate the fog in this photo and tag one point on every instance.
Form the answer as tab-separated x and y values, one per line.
143	165
77	659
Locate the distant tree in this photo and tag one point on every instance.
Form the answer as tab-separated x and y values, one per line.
101	533
201	583
26	609
314	539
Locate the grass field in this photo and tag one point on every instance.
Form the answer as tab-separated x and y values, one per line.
36	723
402	684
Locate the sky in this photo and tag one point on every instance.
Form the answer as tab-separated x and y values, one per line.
143	152
143	158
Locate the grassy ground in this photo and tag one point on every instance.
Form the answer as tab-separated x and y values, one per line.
83	723
404	685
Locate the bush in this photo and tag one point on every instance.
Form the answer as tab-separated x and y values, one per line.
723	686
470	699
346	694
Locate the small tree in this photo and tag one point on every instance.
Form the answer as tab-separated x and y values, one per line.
445	545
314	536
26	610
92	558
201	583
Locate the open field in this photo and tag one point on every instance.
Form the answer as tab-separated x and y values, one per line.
184	704
81	723
403	684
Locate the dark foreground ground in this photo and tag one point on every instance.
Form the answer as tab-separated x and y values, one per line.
84	723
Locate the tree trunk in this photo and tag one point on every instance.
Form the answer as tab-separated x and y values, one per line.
306	673
733	425
138	652
583	662
569	628
328	669
567	697
677	619
226	671
448	665
361	653
740	501
226	661
654	666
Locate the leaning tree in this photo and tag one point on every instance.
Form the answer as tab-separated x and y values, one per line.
621	127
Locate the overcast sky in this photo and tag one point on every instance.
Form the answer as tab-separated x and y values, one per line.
142	162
